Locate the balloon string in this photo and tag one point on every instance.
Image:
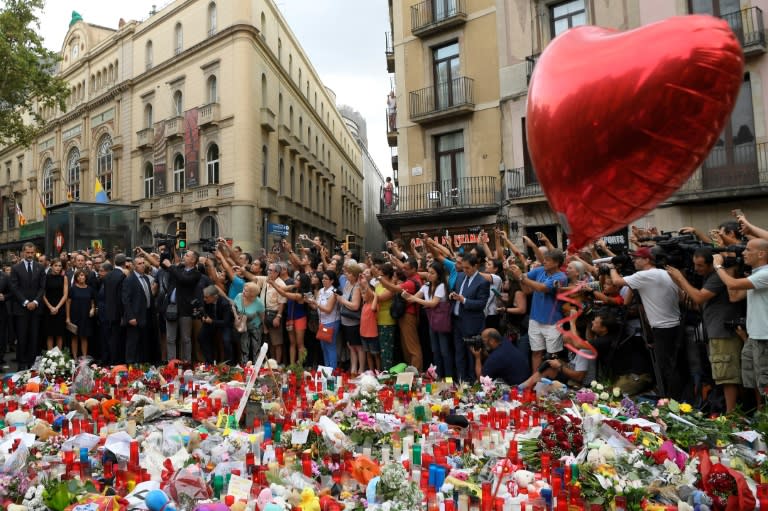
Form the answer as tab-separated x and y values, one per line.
579	344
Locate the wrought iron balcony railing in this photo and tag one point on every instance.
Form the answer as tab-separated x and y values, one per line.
530	63
444	194
442	99
747	24
517	186
432	15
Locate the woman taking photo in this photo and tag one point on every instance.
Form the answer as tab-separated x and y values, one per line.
55	299
328	312
251	305
430	296
295	312
351	302
369	329
81	308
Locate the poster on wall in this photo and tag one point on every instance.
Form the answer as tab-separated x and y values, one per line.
158	155
191	148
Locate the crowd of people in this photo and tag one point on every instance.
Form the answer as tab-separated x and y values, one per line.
682	315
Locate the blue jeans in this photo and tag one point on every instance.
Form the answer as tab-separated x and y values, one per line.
329	348
441	352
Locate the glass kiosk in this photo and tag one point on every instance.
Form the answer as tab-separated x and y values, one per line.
73	226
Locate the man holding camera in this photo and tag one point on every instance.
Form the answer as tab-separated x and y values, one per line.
717	310
178	311
754	355
503	360
217	321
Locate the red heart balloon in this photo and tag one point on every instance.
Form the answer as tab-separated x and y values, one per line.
618	121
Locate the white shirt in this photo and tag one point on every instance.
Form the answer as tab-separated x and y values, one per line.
659	295
757	304
323	297
439	292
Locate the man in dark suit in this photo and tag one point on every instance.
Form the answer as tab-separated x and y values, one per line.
28	287
184	279
470	295
6	297
113	300
137	304
91	278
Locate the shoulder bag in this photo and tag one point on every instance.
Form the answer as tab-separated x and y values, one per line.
349	313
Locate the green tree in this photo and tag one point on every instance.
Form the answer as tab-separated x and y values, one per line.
27	79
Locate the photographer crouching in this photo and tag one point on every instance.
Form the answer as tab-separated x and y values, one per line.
217	320
498	358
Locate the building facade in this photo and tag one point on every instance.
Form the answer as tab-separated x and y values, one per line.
735	174
206	112
443	117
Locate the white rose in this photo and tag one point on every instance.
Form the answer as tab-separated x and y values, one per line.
604	396
616	391
599	387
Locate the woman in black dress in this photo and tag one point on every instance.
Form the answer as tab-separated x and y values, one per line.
81	307
55	298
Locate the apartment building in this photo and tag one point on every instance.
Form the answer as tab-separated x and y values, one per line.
207	112
735	174
443	118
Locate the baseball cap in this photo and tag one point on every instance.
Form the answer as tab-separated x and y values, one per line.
643	252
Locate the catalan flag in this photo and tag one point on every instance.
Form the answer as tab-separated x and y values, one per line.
98	192
42	203
22	220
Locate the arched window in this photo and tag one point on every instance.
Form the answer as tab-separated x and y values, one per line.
299	77
309	193
178	103
111	73
104	164
290	65
47	183
213	93
209	228
211	19
280	108
145	236
178	39
148	115
317	198
263	26
290	117
212	164
292	184
148	55
301	127
279	50
280	177
73	175
178	173
264	92
301	188
149	180
264	166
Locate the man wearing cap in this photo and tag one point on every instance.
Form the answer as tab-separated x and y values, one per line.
660	299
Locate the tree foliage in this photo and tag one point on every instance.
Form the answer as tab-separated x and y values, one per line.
27	79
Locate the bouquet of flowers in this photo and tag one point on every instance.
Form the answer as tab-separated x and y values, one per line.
56	364
562	437
395	491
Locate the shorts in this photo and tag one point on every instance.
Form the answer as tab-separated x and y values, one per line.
725	359
754	364
352	334
296	324
543	336
371	345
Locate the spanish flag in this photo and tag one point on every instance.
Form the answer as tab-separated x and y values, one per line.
98	192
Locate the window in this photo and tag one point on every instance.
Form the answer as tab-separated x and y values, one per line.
73	175
290	117
179	39
211	19
145	236
450	159
149	180
733	159
47	191
714	7
212	164
280	177
264	166
148	115
209	228
263	26
529	171
264	92
309	193
178	173
21	169
280	108
279	50
566	15
292	184
448	90
12	215
213	96
301	188
148	55
178	103
104	164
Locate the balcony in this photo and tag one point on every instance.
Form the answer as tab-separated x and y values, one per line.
530	63
208	115
174	127
145	138
446	99
747	24
433	16
391	120
267	119
283	134
268	199
441	199
740	170
389	51
518	186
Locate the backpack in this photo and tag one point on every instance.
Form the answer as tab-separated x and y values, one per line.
397	309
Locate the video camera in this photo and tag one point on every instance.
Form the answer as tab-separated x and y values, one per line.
197	308
475	341
169	240
731	261
208	245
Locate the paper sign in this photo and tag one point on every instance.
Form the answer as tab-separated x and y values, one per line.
405	379
239	487
299	437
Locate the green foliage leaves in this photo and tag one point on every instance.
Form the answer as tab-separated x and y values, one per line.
27	82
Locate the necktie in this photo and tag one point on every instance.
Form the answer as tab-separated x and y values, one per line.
464	283
29	267
145	285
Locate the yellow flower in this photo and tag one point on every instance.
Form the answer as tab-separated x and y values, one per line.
436	408
686	408
606	470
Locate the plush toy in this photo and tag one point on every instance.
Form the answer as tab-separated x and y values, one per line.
43	431
264	498
157	500
309	501
364	469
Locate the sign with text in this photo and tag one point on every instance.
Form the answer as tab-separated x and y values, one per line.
278	229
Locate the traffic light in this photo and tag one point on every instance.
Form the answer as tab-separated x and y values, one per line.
350	241
181	235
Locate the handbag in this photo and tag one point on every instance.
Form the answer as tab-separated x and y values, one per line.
349	313
325	333
71	327
440	317
241	322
